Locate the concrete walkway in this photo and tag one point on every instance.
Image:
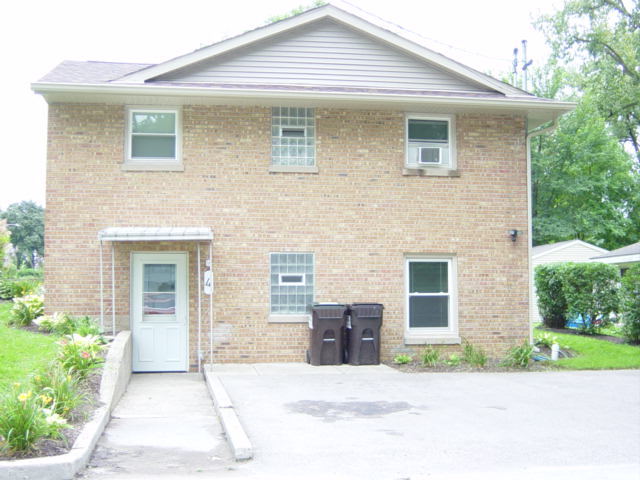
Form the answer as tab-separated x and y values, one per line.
164	427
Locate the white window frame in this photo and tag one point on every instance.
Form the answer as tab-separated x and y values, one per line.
451	132
153	162
427	335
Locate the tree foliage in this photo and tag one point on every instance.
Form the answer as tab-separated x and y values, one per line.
584	184
602	38
27	231
631	304
296	11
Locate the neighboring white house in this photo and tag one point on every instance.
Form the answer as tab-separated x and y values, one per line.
567	251
622	257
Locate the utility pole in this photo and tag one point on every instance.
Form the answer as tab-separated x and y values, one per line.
525	64
515	67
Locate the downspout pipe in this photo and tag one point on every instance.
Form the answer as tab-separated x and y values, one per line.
532	134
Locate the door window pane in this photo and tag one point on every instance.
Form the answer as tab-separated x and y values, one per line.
159	289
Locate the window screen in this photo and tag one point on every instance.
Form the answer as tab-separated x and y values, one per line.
428	294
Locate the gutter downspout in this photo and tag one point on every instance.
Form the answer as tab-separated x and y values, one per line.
530	135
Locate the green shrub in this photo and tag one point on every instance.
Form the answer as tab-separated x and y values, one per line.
80	354
402	359
518	356
62	387
545	339
65	324
591	291
631	304
24	419
551	302
475	356
35	273
430	357
453	360
25	310
11	286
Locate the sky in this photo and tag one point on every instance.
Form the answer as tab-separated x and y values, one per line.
37	35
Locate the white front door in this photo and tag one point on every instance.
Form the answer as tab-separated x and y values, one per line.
159	312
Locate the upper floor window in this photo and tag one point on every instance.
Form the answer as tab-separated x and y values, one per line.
153	135
430	141
293	136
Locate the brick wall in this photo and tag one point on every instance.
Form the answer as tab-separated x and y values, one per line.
359	216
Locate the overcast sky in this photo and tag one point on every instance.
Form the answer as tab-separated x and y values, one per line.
37	35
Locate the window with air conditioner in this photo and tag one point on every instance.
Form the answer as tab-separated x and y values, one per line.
430	142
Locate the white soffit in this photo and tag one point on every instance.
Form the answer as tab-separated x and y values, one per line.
154	234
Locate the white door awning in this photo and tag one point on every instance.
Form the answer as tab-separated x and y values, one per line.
154	234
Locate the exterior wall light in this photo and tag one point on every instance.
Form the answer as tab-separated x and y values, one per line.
513	234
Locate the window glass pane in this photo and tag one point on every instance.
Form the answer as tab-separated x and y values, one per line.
429	130
294	285
149	122
159	278
159	287
292	136
429	312
143	146
428	277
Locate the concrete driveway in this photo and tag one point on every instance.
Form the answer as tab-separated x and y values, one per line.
378	423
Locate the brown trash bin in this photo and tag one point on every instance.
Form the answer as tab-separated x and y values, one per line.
326	336
364	333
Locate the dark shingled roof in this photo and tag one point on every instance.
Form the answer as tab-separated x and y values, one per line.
633	249
71	71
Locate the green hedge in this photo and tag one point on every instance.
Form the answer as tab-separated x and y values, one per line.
569	290
551	302
631	304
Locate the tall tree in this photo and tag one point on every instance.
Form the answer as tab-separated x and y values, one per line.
26	224
584	183
602	38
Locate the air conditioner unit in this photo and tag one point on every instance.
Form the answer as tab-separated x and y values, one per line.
429	155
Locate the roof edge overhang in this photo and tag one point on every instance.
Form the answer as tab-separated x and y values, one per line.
570	244
544	111
155	234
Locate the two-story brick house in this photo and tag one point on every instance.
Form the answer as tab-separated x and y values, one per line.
322	158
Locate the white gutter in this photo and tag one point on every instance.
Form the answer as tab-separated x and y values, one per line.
44	88
531	134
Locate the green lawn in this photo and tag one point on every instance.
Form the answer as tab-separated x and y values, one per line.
21	352
594	354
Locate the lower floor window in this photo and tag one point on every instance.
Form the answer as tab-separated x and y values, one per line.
292	281
430	295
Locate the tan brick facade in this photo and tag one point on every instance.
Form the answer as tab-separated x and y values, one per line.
359	215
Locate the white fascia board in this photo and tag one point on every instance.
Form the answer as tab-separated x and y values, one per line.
570	244
632	258
555	108
328	11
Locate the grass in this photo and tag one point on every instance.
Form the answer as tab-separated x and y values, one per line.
594	354
21	352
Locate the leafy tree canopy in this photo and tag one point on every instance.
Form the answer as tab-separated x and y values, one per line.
27	231
296	11
602	39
